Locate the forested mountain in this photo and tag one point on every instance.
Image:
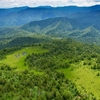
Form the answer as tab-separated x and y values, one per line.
80	23
84	28
22	15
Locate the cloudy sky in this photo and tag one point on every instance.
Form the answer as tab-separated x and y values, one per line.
34	3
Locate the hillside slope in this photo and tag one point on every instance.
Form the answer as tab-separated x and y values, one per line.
60	69
76	28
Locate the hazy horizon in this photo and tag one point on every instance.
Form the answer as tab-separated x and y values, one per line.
53	3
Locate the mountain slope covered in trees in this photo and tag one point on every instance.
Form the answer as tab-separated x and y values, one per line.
36	71
76	28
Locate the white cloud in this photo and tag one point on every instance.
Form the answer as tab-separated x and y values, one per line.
33	3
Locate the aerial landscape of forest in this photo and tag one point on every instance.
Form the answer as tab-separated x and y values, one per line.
50	50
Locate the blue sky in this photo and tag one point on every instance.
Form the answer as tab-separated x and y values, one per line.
34	3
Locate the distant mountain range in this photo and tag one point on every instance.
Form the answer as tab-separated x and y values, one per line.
22	15
80	23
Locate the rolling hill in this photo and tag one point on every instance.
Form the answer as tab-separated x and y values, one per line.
62	69
64	27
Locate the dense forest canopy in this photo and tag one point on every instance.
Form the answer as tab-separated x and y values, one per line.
41	78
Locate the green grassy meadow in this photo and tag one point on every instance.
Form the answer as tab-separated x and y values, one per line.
16	59
84	78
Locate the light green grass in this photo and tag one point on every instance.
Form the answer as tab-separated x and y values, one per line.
85	78
17	58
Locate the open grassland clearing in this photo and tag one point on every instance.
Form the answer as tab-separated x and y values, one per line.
86	79
16	59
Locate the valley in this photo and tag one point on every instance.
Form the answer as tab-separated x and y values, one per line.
50	53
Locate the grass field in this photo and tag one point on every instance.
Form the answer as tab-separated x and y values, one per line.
85	78
16	59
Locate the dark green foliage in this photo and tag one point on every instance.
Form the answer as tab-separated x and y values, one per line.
27	86
62	53
6	51
24	41
98	74
5	67
97	64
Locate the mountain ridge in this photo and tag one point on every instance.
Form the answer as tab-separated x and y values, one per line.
22	15
65	27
